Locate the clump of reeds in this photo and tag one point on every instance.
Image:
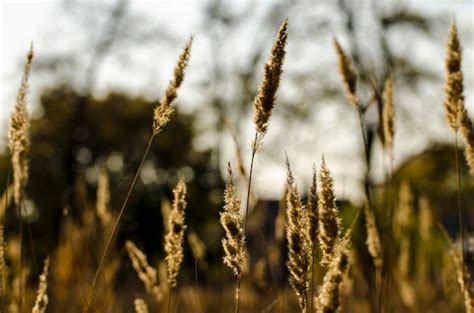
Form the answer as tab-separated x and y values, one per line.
145	272
174	237
42	297
164	109
234	241
299	243
329	222
18	134
140	306
347	73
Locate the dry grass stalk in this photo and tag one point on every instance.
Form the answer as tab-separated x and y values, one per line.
280	219
103	199
347	73
467	131
388	114
402	273
238	149
329	222
425	218
140	306
453	88
3	263
463	276
164	110
145	272
234	241
174	237
329	300
19	134
373	238
42	298
5	200
265	99
198	248
312	208
299	243
404	214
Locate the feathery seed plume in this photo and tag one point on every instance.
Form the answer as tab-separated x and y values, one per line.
19	134
234	241
198	248
329	222
329	300
388	114
42	298
347	74
299	242
312	208
175	235
453	88
145	272
164	110
140	306
265	99
103	199
373	239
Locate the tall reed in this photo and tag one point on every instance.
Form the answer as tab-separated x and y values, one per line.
161	117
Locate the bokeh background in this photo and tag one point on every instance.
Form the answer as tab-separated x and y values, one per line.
101	66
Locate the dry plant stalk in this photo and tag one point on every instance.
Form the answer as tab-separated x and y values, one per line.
312	209
373	238
164	110
103	199
347	73
463	277
198	248
425	218
456	112
145	272
174	237
402	273
5	200
19	134
42	298
234	241
3	263
140	306
388	115
404	214
280	219
329	300
265	99
299	243
329	222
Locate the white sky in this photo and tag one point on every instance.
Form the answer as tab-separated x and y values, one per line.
24	21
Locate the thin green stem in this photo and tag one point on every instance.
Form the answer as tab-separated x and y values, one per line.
115	228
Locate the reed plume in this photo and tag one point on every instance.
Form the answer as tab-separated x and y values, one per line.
145	272
328	300
347	74
265	99
234	241
164	109
329	222
42	298
103	199
140	306
312	209
19	133
373	238
299	243
198	248
388	114
175	235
